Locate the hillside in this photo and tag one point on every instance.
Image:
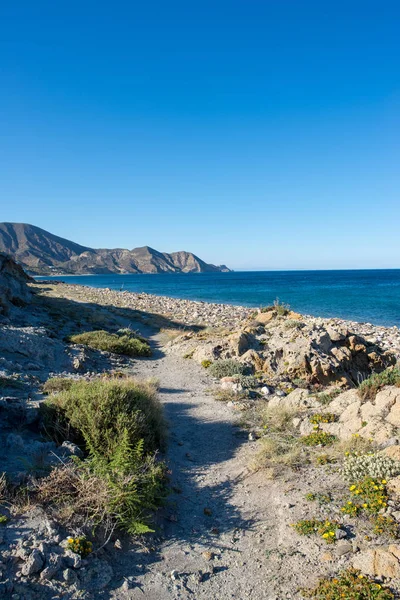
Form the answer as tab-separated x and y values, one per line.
42	253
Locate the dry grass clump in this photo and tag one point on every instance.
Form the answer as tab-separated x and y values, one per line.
57	384
368	389
124	342
280	445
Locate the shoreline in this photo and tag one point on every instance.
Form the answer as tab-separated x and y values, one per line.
208	314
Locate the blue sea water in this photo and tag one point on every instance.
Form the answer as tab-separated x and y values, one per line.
366	295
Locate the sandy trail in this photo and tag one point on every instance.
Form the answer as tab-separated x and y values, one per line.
217	505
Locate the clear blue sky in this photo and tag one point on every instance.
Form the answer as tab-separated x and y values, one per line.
258	133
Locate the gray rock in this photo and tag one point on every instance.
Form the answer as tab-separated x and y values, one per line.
344	548
393	441
52	565
340	534
97	575
34	563
71	449
70	576
71	559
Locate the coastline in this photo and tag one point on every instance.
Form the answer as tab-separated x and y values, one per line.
207	314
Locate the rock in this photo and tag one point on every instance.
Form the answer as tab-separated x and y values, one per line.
392	451
97	575
379	562
265	317
344	548
34	563
71	449
52	565
174	575
265	391
340	534
13	284
71	559
240	342
70	576
393	486
207	555
14	442
394	441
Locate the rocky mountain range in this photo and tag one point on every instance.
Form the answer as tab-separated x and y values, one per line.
42	253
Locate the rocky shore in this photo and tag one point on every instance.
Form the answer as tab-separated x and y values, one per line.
207	314
247	503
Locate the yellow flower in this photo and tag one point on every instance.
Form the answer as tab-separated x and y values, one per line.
361	576
325	535
349	502
384	481
365	505
352	487
332	533
70	540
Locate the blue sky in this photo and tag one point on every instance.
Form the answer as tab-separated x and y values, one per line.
261	134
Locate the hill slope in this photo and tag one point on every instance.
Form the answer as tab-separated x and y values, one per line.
43	253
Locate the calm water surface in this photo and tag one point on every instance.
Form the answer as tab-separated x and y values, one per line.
367	296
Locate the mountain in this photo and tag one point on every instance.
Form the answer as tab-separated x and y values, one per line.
42	253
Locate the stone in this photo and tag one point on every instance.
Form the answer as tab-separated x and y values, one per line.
340	534
34	563
97	575
344	548
72	559
392	451
379	562
71	449
52	565
70	576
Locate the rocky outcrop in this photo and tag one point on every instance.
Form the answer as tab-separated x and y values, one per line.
13	284
43	253
293	348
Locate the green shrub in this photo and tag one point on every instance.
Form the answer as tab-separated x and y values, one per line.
318	438
57	384
119	424
123	342
206	363
226	368
350	585
98	412
326	529
371	386
281	308
372	464
326	397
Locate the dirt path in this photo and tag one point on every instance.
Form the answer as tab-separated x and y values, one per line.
221	533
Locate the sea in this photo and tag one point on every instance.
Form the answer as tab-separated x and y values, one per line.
369	296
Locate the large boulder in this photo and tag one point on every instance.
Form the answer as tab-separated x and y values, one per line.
13	284
379	562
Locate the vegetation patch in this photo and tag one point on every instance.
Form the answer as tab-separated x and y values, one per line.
206	363
368	389
79	545
226	368
124	342
369	494
355	467
318	418
326	397
318	438
57	384
319	497
119	425
349	585
325	529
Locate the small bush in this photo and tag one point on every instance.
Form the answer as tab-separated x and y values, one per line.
57	384
368	389
326	397
319	497
226	368
318	438
369	495
385	526
123	342
350	585
318	418
97	413
79	545
119	423
325	529
206	363
280	451
281	308
375	465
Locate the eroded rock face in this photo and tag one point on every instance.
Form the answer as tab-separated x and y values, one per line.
13	288
315	351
